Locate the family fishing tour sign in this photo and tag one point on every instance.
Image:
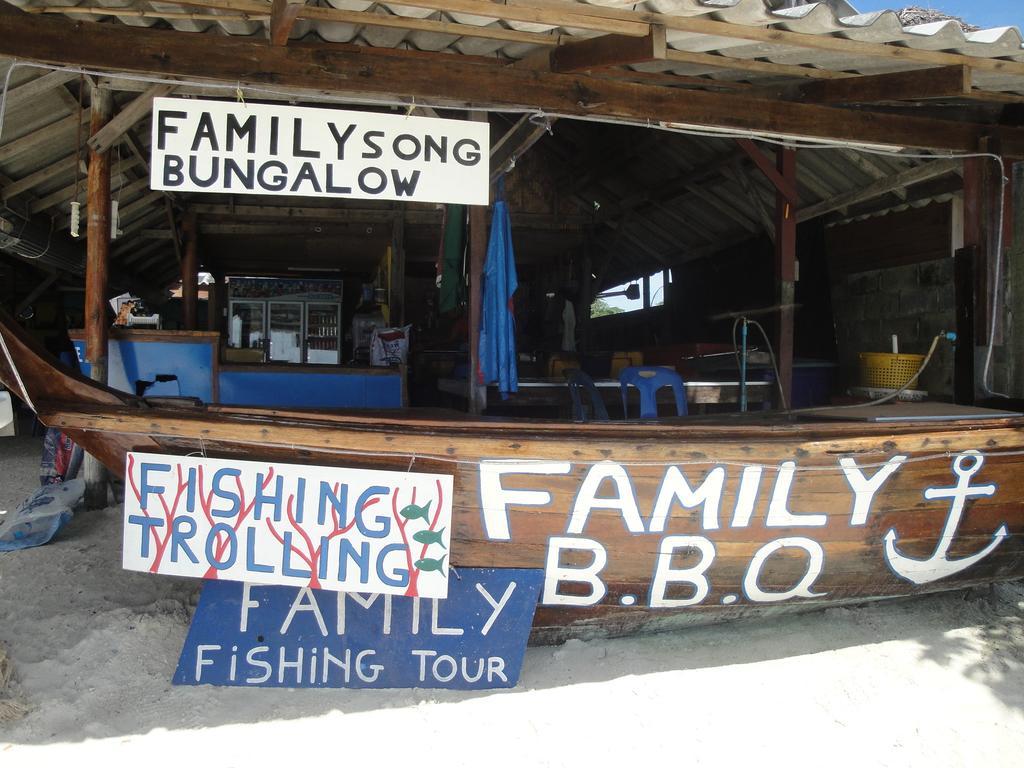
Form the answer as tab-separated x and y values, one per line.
273	636
271	523
201	145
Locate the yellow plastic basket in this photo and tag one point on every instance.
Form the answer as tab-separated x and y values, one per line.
885	370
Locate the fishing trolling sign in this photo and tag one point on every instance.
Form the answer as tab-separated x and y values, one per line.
261	149
273	523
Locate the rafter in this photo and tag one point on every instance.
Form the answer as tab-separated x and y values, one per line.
282	19
129	115
931	169
45	134
516	141
42	176
608	51
737	173
35	88
356	70
66	194
787	189
913	85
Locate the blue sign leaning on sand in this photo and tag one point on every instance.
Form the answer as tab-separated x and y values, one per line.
296	637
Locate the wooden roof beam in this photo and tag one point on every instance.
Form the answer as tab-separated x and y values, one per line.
608	51
670	188
607	20
127	238
516	141
283	15
117	192
704	25
137	251
928	170
739	175
40	177
913	85
157	234
687	222
129	115
37	87
767	167
359	72
66	194
46	133
127	213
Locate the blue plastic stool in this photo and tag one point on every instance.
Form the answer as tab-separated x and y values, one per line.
579	382
648	379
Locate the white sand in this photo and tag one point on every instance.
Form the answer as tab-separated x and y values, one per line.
936	681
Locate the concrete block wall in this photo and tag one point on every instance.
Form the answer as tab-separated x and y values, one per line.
914	301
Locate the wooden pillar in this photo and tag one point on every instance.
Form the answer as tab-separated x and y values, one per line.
97	256
963	355
983	194
477	254
396	280
785	270
190	273
213	301
586	293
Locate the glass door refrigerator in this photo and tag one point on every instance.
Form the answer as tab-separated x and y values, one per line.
286	331
323	333
247	331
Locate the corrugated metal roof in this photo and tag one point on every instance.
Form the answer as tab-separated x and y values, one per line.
677	225
835	19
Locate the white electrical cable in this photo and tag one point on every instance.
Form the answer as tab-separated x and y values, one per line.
540	114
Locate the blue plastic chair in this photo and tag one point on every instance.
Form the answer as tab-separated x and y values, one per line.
580	382
648	379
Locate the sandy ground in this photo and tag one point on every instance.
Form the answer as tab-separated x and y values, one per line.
936	681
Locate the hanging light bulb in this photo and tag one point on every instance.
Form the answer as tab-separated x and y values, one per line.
76	217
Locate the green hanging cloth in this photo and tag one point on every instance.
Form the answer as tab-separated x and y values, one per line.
453	248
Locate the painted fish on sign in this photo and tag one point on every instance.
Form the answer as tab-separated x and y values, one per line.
275	636
273	523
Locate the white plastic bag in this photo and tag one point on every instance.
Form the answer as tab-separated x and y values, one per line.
389	345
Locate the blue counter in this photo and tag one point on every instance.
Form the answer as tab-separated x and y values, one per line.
185	363
303	387
135	356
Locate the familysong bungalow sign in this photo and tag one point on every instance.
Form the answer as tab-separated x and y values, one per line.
269	149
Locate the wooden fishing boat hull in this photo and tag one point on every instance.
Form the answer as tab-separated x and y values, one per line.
639	527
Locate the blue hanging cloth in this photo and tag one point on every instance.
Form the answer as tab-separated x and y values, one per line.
498	332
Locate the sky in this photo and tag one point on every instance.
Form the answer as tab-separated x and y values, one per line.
981	13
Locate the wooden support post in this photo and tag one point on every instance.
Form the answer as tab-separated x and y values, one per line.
477	253
213	291
785	270
976	240
983	195
586	293
96	273
396	280
190	273
963	356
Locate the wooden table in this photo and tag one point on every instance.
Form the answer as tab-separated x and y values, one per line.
554	393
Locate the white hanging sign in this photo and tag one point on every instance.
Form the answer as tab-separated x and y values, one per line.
270	149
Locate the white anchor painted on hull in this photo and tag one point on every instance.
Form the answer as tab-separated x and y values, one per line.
939	566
